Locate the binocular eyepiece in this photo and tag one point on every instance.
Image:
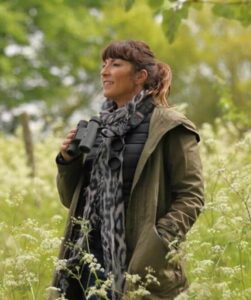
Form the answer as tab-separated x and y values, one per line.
85	137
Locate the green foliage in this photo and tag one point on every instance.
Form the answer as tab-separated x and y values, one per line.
231	112
155	4
240	11
50	52
128	4
209	57
12	22
172	18
176	11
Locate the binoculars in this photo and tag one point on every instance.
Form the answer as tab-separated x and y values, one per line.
85	137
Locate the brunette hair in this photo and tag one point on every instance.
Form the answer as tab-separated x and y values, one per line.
141	56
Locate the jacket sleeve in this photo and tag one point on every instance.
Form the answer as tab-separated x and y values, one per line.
67	179
185	179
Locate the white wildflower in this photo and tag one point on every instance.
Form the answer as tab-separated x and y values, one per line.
243	245
51	243
57	219
230	272
61	264
217	249
9	280
132	278
28	237
206	263
99	292
23	259
88	257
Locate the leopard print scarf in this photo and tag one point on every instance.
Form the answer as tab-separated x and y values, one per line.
104	205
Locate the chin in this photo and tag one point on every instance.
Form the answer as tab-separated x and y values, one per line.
108	95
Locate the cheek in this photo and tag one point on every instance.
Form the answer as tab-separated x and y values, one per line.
125	84
127	81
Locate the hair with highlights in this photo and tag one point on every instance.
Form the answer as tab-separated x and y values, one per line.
141	56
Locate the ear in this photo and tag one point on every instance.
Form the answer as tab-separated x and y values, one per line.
141	76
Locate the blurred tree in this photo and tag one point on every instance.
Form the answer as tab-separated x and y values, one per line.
174	12
50	51
213	62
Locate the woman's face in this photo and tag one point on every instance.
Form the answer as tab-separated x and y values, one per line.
119	80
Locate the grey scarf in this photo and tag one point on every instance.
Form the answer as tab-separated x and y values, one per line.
104	205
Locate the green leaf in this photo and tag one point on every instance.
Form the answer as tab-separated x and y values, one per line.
172	19
128	4
240	12
155	4
12	23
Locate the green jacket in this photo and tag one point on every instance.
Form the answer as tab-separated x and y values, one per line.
166	194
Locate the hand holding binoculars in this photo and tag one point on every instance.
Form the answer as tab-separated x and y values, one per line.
85	137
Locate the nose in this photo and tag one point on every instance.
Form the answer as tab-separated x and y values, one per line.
105	70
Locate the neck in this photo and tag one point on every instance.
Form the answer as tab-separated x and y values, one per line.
123	101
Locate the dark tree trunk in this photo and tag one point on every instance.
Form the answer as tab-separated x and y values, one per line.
27	138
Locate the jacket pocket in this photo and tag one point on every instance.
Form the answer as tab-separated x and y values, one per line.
151	252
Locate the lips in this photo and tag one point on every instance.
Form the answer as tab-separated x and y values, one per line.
107	83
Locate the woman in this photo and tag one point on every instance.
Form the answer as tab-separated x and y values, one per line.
141	187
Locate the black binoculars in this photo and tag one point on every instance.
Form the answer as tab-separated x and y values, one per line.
85	137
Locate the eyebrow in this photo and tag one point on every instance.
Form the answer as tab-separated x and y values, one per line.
113	59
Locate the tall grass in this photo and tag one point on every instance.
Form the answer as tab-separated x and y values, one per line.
31	219
217	250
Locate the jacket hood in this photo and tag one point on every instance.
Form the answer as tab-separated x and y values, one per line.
163	120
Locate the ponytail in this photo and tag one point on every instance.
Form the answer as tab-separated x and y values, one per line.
159	82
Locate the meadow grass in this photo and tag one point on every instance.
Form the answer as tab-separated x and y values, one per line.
217	248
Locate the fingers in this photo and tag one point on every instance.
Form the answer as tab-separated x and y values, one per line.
65	144
68	139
